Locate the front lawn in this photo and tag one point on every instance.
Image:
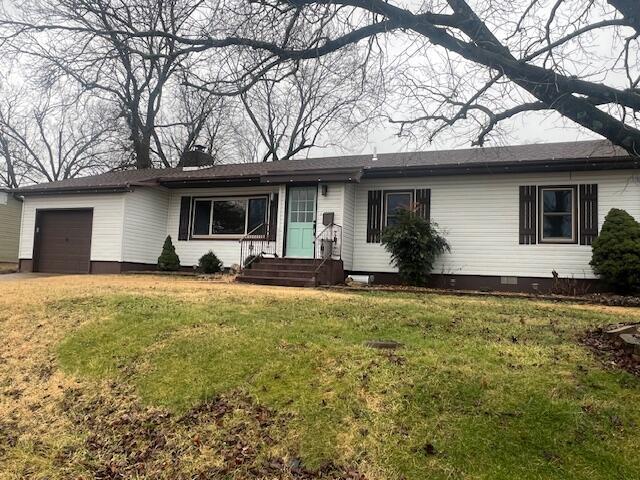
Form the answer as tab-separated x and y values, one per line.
147	377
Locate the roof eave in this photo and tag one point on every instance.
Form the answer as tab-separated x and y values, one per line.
592	164
195	182
328	175
71	190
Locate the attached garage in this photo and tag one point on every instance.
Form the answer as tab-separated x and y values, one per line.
63	241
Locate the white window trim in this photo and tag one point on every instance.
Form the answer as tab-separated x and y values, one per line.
227	236
411	194
573	212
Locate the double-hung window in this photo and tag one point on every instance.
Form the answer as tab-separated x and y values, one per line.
221	217
394	203
558	215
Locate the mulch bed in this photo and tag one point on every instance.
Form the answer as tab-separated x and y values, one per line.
611	351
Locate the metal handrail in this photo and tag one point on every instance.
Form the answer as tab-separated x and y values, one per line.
331	255
322	232
252	231
252	237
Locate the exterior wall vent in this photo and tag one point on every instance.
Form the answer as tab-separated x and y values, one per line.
509	280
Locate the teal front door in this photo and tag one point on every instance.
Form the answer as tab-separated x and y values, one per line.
301	221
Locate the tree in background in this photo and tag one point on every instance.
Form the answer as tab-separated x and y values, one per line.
48	137
94	44
193	117
463	67
168	96
462	63
311	106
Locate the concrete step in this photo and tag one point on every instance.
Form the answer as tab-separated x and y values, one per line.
298	272
280	262
279	273
274	267
288	259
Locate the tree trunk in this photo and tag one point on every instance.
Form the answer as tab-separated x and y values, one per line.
142	148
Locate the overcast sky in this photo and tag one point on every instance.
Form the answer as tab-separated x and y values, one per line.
530	127
534	127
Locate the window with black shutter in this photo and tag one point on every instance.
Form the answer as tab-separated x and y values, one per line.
423	203
185	217
558	214
528	208
383	208
374	216
588	213
273	217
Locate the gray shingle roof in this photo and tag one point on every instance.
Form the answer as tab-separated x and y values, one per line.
517	155
104	181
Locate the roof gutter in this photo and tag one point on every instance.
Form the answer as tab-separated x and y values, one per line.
592	164
71	190
209	182
328	175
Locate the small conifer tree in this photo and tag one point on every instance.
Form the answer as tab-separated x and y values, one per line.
168	261
616	252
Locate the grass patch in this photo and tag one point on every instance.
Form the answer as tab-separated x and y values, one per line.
482	388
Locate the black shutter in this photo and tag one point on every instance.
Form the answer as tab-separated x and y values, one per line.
273	218
588	213
374	216
528	209
185	218
423	203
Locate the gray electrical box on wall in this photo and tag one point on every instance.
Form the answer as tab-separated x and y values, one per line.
327	218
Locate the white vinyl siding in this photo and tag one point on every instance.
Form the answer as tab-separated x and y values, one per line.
282	211
228	251
479	217
340	200
106	233
10	213
145	225
349	213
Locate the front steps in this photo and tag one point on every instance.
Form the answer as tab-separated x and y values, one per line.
293	272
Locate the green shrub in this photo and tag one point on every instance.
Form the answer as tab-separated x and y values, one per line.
414	244
210	263
168	259
616	252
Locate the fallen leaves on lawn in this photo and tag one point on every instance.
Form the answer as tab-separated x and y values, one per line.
230	436
55	426
610	351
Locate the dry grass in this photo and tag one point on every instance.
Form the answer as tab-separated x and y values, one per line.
37	426
485	388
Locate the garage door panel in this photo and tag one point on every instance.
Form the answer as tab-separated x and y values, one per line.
63	241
